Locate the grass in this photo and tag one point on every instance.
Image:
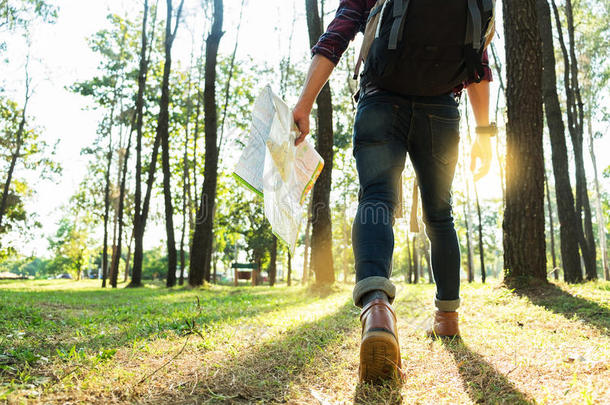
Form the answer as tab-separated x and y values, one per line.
68	342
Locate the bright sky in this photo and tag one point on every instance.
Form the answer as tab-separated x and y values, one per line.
62	57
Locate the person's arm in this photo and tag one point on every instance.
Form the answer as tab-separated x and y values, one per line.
319	72
478	94
350	18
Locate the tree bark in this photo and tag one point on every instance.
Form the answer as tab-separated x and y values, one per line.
305	278
118	237
273	262
289	273
481	247
524	241
570	227
409	262
163	132
107	195
141	209
201	249
415	261
128	258
575	127
321	235
551	225
467	220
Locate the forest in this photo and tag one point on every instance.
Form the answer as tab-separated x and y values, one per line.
117	160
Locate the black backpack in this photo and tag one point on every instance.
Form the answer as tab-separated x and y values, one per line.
425	47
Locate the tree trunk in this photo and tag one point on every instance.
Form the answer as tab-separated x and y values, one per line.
409	267
201	249
575	126
289	273
569	225
128	258
256	271
321	235
116	257
601	221
107	199
141	211
415	261
273	262
551	225
481	247
524	241
581	177
305	278
467	218
185	180
163	132
195	140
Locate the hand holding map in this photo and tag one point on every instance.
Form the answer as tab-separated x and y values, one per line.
274	168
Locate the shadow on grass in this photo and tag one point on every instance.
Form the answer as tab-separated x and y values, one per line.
53	321
555	299
266	372
481	380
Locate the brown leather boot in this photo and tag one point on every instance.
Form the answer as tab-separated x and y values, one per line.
379	348
445	325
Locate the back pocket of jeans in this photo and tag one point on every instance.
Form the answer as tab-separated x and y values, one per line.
375	124
445	138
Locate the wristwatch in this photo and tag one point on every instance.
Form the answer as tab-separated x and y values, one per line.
490	130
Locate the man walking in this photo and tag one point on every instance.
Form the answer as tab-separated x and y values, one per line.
414	73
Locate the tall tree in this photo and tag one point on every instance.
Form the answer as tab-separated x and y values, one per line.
569	225
141	208
575	115
109	154
524	242
186	203
136	125
163	133
321	235
203	237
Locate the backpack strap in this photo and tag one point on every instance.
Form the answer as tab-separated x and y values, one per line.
472	41
399	15
369	35
474	21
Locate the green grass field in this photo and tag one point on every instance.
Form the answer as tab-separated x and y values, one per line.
72	342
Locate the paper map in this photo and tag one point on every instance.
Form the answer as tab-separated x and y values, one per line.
274	168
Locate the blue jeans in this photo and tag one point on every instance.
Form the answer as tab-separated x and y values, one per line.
387	127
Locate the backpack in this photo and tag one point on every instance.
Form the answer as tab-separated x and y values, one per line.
412	48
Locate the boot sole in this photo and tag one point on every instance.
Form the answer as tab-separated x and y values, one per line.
379	357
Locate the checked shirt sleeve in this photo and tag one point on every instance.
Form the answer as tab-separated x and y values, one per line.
350	18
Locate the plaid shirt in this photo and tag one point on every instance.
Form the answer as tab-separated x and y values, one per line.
350	19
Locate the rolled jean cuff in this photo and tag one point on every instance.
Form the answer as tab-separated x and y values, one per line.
447	306
371	284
